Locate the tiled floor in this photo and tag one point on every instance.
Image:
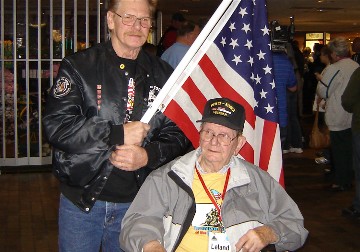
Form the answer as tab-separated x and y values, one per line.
29	205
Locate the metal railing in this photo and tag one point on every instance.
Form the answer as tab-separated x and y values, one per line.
35	36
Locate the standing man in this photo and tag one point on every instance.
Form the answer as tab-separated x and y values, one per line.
285	80
170	34
101	151
331	88
186	36
351	103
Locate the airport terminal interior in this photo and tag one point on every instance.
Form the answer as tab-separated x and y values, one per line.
37	34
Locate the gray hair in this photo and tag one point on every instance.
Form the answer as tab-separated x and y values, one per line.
113	5
340	46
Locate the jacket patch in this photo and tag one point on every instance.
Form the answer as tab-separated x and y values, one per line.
62	87
154	91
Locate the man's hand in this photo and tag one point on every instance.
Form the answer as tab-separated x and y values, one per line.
153	246
129	157
135	132
256	239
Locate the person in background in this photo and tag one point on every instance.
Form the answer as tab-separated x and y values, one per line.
324	156
170	34
284	80
188	194
298	61
101	151
186	36
350	101
332	86
355	47
294	137
310	81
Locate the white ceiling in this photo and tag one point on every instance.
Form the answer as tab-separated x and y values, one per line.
333	16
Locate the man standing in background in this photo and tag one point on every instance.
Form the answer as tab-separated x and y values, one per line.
186	36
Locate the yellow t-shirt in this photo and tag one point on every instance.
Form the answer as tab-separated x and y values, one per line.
206	218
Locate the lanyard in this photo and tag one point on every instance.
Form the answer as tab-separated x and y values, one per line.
209	194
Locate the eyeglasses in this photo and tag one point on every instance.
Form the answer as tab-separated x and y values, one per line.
128	19
223	139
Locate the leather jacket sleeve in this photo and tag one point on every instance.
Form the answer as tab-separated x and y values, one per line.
166	143
70	126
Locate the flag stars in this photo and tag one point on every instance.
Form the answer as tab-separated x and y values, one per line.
232	27
265	30
248	44
257	79
234	43
269	109
246	28
243	12
252	77
251	60
237	59
261	55
267	69
263	94
223	41
272	84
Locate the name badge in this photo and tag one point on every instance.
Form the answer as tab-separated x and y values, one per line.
218	242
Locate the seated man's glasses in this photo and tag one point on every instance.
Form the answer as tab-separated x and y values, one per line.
223	139
128	19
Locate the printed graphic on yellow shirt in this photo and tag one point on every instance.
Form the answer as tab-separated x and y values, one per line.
206	218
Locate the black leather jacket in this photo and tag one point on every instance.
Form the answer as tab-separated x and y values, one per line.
83	124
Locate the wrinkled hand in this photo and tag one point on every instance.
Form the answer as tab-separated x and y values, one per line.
135	132
153	246
129	157
256	239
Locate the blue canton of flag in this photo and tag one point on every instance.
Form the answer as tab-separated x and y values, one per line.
248	37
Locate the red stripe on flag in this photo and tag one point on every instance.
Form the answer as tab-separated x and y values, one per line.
224	89
178	115
269	132
247	152
281	178
196	96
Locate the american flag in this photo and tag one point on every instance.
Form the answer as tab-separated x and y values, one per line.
235	62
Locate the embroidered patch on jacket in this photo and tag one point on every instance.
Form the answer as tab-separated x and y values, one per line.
154	91
62	87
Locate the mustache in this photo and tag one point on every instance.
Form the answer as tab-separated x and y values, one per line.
135	34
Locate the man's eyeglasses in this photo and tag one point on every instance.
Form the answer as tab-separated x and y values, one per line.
223	139
128	19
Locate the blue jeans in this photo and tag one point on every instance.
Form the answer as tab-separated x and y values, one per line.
87	232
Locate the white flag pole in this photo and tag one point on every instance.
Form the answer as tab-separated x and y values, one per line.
157	103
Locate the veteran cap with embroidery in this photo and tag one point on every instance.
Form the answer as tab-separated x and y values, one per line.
224	112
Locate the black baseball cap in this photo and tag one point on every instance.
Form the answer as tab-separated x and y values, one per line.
225	112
